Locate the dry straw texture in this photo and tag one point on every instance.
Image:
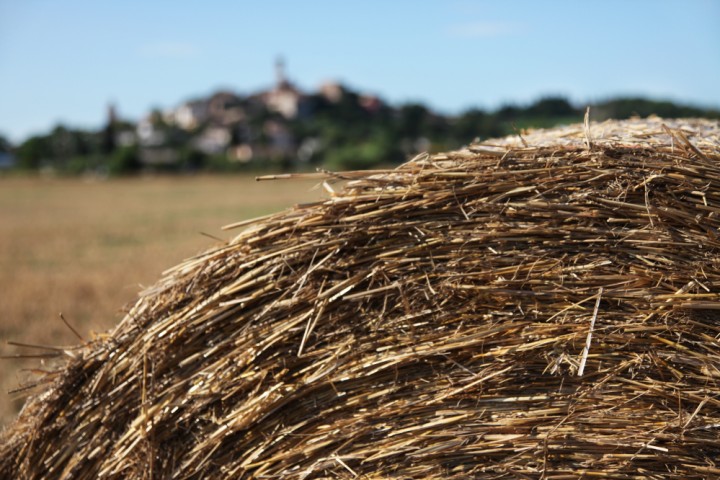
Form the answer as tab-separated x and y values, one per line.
542	306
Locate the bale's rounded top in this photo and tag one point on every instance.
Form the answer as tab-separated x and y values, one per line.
647	132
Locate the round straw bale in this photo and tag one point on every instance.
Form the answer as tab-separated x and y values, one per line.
539	306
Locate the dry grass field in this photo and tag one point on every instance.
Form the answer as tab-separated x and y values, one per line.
86	248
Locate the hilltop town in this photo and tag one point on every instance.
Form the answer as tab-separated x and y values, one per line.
286	128
263	125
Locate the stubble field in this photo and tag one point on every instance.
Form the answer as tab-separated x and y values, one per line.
86	248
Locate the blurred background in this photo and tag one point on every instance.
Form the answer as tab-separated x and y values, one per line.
129	128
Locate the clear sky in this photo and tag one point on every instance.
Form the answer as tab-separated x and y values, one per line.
64	61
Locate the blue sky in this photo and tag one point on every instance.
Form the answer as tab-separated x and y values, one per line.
65	61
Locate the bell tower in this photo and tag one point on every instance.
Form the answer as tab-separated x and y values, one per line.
280	76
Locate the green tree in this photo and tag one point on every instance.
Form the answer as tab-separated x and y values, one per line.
643	107
124	161
379	149
34	152
192	159
472	124
5	145
412	120
551	107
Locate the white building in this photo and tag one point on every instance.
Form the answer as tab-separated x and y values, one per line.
213	140
190	115
284	98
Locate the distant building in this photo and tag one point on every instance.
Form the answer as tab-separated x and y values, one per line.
241	153
284	98
222	108
190	115
213	140
281	142
126	138
332	91
371	103
225	108
158	156
148	133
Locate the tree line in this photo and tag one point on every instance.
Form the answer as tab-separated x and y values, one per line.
342	134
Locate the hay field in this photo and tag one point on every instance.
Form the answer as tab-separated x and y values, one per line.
84	248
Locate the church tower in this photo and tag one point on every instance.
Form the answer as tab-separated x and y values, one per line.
280	77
